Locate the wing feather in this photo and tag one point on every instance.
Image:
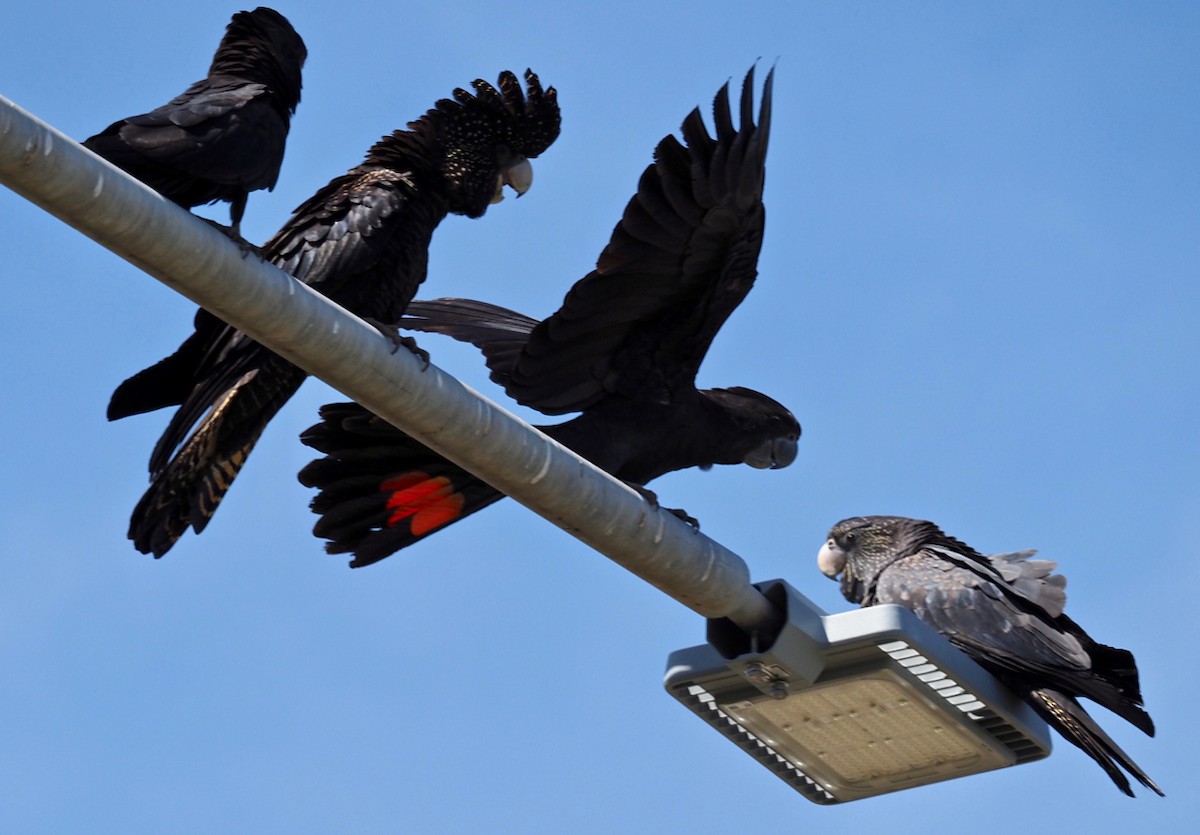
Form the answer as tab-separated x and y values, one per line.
679	262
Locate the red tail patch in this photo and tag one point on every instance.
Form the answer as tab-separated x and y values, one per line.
430	501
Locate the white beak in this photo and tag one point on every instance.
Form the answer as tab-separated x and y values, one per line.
831	559
519	176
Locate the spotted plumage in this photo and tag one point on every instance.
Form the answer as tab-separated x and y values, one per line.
363	241
1006	612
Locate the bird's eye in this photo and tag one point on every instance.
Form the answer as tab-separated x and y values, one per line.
848	539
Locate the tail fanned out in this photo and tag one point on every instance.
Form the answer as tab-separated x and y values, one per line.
380	490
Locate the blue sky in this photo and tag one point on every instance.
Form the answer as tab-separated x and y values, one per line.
979	293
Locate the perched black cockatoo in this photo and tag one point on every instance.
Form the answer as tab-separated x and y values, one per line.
363	241
1006	612
623	351
224	136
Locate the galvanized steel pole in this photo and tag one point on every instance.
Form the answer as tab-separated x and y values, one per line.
170	244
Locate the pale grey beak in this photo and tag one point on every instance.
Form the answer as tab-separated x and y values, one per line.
831	559
773	454
519	176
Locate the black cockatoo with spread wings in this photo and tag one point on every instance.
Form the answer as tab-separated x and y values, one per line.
622	351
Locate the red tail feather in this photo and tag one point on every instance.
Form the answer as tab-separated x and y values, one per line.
431	502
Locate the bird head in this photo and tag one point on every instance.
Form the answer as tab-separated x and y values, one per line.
483	142
858	549
767	431
261	45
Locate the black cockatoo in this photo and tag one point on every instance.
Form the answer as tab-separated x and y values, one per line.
363	241
623	351
224	136
1006	612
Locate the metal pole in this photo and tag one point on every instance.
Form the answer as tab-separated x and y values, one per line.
127	217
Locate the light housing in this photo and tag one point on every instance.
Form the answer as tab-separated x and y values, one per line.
852	705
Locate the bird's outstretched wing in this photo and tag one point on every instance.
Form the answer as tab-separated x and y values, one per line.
679	262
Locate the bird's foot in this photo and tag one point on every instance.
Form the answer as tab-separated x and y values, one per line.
683	516
651	497
392	334
234	234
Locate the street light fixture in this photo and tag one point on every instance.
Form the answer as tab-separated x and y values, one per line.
852	705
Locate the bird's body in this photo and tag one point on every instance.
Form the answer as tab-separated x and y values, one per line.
224	136
363	241
622	351
1006	612
381	490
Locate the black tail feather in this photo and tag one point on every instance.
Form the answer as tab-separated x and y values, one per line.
1069	718
169	381
186	491
1117	667
380	490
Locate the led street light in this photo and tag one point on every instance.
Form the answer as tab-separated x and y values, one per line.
852	705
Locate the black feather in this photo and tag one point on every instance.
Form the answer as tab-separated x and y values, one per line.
363	241
623	350
224	136
1006	612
